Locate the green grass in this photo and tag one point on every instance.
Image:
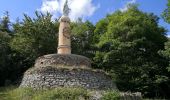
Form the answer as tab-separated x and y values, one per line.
112	95
14	93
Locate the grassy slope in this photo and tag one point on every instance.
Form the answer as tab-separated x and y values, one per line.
12	93
53	94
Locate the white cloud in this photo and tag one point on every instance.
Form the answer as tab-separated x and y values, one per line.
79	8
49	6
125	8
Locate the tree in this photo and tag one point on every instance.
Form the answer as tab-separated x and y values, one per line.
5	50
34	37
4	26
166	53
129	47
4	56
166	13
166	16
101	28
82	38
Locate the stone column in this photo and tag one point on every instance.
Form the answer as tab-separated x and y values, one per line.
64	43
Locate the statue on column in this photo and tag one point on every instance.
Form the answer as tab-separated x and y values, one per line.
66	9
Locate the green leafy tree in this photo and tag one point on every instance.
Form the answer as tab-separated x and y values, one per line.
130	48
4	56
166	52
101	28
83	38
34	37
166	13
5	21
5	51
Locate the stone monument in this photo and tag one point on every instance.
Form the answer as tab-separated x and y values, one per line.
64	43
65	69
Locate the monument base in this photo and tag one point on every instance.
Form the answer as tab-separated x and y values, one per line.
63	60
65	70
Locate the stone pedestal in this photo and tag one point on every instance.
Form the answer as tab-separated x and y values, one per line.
58	70
64	43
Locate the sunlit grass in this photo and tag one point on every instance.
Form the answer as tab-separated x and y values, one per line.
52	94
14	93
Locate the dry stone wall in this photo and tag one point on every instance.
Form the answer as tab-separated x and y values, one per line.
50	77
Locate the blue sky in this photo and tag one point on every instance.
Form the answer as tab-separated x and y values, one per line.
92	10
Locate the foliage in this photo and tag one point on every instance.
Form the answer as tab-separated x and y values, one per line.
82	38
4	43
4	56
5	23
130	48
27	40
113	95
166	13
4	48
166	53
33	37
